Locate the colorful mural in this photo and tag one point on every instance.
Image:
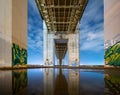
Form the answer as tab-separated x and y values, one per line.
19	81
112	55
19	55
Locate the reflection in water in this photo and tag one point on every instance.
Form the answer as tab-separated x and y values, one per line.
19	82
112	82
13	82
48	81
5	82
91	82
74	82
51	81
61	85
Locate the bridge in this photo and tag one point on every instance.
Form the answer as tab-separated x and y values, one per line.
61	29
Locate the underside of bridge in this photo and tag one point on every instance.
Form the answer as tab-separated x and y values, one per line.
61	29
60	48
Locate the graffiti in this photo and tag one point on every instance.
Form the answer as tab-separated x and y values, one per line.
112	55
19	55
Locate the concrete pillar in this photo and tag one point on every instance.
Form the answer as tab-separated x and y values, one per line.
48	47
45	43
57	61
13	32
5	33
112	32
73	47
62	61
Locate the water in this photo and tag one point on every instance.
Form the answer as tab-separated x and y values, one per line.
60	82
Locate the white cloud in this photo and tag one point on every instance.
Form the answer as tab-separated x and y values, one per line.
92	41
92	32
93	11
35	40
35	32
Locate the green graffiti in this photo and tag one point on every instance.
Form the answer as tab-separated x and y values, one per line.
112	55
19	55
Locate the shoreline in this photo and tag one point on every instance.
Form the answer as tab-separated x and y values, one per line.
64	67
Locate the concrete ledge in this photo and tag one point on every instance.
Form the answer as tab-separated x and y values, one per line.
64	67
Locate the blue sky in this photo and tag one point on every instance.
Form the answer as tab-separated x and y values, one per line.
35	34
91	34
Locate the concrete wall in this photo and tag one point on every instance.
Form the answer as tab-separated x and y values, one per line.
112	32
13	28
73	48
5	32
111	18
19	22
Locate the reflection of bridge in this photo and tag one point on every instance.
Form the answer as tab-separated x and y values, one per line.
61	29
59	84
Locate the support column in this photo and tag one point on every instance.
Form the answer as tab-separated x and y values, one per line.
5	33
112	32
73	48
62	61
57	61
48	47
13	33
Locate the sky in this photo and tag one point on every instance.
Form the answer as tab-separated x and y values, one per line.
91	34
35	35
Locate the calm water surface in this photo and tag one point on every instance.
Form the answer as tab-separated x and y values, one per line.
60	82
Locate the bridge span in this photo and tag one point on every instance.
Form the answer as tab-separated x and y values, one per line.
61	29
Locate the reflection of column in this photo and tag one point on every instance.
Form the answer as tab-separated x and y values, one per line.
61	85
112	83
19	82
73	82
5	82
48	81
